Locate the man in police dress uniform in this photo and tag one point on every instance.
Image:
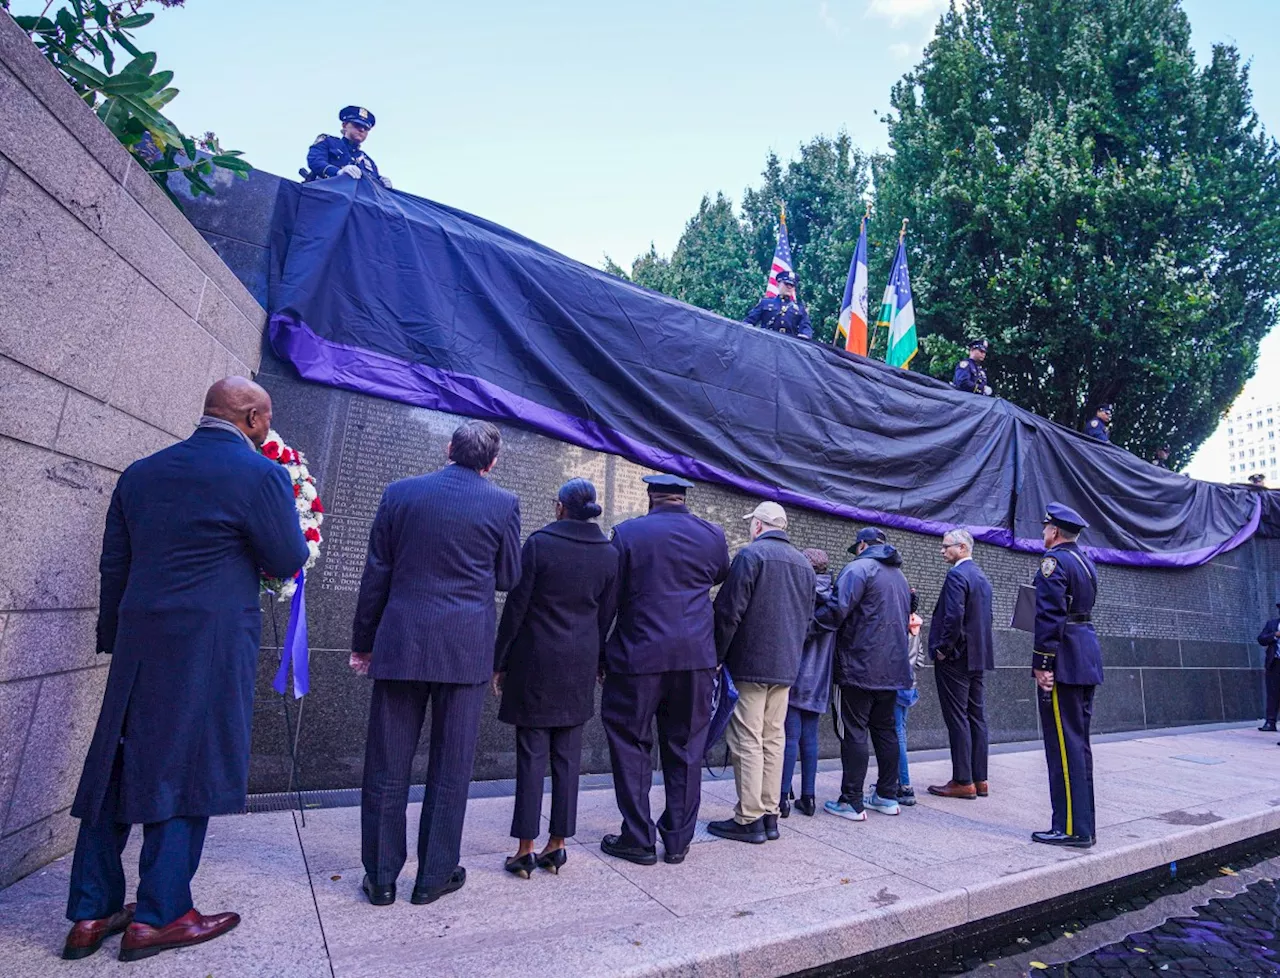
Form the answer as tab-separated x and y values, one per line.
970	375
1067	664
782	313
1099	425
333	155
660	662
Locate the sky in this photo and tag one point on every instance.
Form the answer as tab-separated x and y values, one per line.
594	128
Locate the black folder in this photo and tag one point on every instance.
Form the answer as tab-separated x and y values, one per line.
1024	609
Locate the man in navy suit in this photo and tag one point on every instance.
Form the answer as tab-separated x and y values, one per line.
189	532
961	647
660	662
1067	665
425	623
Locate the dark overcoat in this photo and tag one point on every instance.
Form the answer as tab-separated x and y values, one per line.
551	639
189	531
763	611
960	629
871	613
440	545
668	562
812	689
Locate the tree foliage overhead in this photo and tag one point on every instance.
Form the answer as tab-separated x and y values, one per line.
1100	208
722	260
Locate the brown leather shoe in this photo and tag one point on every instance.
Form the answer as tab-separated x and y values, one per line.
193	927
953	790
86	936
982	788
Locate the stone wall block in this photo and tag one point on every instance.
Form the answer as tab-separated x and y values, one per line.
229	326
100	433
165	360
17	704
46	83
147	246
29	848
63	293
30	404
52	511
38	145
60	730
152	199
35	643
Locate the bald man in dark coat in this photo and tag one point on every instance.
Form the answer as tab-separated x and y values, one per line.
190	530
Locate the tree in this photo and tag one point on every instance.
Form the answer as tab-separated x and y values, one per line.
722	260
84	39
1102	210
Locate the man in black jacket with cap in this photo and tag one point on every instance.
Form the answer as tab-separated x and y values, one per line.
1067	665
660	662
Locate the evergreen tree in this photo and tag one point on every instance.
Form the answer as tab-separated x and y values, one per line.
1102	210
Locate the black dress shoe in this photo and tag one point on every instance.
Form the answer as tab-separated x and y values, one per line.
1268	727
611	845
807	805
1055	838
728	828
771	827
423	894
379	896
674	858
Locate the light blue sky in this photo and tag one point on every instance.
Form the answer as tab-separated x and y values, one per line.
592	127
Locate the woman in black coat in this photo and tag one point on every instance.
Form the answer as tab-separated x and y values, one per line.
546	662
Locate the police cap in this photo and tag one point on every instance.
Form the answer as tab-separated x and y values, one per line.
1110	409
977	343
668	483
868	535
361	117
1064	517
785	278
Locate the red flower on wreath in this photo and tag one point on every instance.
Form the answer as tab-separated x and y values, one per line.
316	506
271	450
297	490
312	534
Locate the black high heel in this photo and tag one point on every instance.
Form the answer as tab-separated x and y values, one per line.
553	860
521	866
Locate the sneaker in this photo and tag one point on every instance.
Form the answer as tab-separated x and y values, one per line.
844	810
885	806
907	795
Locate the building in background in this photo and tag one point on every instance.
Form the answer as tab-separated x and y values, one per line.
1253	446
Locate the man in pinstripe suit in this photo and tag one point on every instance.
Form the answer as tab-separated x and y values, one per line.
424	630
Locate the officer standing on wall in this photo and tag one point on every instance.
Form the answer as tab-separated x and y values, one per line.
660	662
1067	665
1099	425
970	375
782	313
333	155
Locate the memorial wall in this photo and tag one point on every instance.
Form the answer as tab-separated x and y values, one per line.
1178	644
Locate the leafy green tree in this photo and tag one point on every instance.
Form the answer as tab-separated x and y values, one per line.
1100	208
86	40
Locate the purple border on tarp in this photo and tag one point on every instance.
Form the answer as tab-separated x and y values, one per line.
369	372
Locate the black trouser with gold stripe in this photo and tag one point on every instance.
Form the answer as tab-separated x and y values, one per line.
1065	714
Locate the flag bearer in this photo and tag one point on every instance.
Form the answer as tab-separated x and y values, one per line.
970	374
1067	665
782	313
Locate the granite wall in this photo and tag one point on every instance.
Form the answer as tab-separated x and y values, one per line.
115	316
1179	645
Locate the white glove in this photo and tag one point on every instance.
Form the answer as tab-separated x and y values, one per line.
351	170
987	390
386	182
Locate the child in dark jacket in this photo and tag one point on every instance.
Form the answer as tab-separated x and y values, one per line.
809	698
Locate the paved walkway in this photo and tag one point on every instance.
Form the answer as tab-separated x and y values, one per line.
827	890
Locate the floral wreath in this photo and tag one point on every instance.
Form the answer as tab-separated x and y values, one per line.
307	501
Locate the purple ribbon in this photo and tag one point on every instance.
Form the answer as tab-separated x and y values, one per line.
295	649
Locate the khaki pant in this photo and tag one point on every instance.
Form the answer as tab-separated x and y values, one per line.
757	739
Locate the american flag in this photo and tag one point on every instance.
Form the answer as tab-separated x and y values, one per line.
781	256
